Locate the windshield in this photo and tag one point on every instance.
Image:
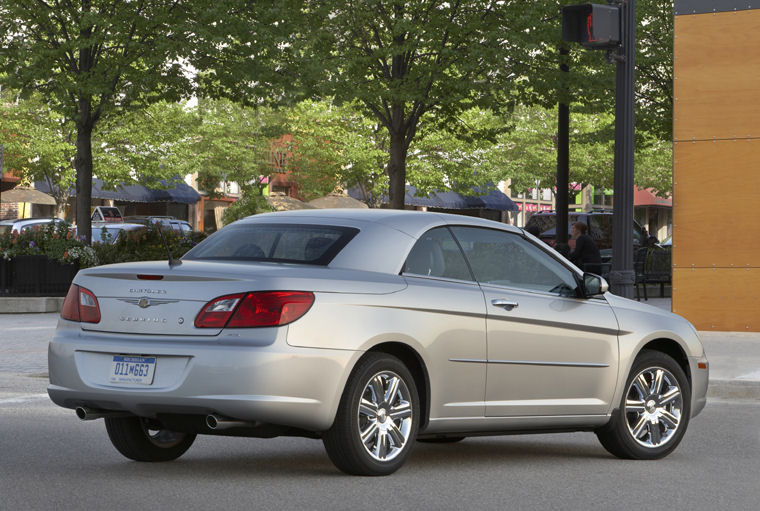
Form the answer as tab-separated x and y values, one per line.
105	234
283	243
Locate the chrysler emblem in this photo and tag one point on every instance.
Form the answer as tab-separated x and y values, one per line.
146	302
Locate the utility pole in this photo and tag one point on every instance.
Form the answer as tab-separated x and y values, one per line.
563	152
613	28
623	276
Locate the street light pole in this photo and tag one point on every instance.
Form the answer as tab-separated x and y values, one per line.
622	276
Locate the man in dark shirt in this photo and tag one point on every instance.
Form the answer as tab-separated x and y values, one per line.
586	254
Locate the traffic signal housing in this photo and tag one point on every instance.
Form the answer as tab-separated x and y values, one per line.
596	27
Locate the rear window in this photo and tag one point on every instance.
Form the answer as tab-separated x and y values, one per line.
281	243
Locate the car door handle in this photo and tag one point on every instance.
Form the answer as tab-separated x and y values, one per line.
505	304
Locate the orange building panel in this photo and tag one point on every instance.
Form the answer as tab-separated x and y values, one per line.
726	300
716	204
717	76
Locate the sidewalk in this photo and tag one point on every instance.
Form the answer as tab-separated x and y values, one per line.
734	356
734	360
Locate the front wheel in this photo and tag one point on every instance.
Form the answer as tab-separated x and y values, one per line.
377	419
654	412
141	439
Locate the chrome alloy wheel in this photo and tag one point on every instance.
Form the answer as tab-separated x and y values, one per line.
653	407
385	416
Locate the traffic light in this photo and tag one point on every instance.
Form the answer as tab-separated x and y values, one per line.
596	27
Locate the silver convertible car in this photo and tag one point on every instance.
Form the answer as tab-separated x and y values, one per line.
371	330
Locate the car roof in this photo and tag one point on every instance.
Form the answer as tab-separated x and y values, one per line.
414	223
120	225
383	233
26	221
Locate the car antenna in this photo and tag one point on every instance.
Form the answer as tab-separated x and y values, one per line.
172	262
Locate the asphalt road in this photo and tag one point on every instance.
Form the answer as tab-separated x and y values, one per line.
49	459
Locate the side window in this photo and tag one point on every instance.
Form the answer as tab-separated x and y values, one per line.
600	230
436	254
506	259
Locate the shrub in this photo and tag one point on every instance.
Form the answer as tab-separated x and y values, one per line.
57	242
146	245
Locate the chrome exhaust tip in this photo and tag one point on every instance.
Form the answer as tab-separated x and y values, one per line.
91	414
217	422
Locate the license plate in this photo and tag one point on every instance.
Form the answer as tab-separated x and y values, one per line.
132	369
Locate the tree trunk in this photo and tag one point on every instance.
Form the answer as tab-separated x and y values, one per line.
397	170
60	208
83	166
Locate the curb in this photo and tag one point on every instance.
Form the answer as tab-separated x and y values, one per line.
734	389
30	304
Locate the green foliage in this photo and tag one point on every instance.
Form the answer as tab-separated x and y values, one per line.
99	58
249	203
143	146
335	147
145	245
57	242
535	29
527	154
457	157
38	142
230	142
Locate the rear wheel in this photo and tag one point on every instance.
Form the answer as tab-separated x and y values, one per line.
377	418
654	412
141	439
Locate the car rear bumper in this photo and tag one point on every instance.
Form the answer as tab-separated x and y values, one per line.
276	383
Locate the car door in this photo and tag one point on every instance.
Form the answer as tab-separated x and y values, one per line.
550	352
447	315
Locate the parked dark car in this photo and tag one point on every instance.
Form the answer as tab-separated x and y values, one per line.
599	228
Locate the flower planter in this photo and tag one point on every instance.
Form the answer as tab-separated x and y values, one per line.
36	275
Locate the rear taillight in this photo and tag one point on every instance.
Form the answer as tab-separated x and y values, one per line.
251	310
80	305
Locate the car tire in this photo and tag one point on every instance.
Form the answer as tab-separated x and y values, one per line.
653	414
377	419
140	439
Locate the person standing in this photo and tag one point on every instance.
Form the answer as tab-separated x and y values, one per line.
586	254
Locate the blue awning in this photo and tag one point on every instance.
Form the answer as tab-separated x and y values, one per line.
177	191
493	199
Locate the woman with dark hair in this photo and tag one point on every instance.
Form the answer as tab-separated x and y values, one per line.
586	254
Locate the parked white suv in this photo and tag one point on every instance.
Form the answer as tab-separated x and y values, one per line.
25	224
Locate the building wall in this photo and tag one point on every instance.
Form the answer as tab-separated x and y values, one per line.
716	168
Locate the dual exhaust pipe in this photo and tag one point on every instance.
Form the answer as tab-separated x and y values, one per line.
213	421
218	423
90	414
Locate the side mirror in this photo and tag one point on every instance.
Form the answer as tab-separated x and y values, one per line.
594	284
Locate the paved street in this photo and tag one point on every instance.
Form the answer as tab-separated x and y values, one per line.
52	460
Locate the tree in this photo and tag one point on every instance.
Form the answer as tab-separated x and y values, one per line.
232	143
38	144
340	146
96	58
405	61
335	147
146	146
527	154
